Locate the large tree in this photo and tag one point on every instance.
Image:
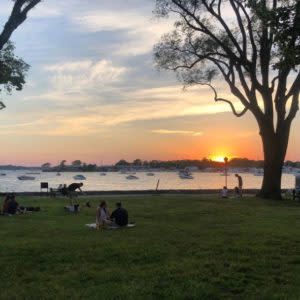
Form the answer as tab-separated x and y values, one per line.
254	46
12	68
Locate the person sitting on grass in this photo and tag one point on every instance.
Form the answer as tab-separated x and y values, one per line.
5	205
224	192
13	205
64	190
237	192
119	215
103	215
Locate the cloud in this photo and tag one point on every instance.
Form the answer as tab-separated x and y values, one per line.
87	112
84	75
140	31
177	132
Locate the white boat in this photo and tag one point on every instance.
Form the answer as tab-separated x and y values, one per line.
102	174
79	177
150	174
131	177
185	175
258	172
24	177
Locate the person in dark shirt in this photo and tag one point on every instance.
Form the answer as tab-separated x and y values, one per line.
120	215
75	186
72	193
5	204
64	190
13	205
240	183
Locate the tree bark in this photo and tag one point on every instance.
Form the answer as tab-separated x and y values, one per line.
274	148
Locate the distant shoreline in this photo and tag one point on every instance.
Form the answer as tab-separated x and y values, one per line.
144	192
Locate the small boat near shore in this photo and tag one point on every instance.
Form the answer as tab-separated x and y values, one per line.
150	174
24	177
132	177
185	175
79	177
258	172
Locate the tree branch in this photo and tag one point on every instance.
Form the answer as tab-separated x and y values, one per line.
241	26
218	99
2	105
294	108
17	17
295	86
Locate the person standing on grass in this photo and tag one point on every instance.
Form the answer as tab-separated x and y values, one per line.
240	184
73	187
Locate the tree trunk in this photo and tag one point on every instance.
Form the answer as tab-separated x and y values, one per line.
274	147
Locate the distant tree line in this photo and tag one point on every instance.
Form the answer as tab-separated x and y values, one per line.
78	165
181	164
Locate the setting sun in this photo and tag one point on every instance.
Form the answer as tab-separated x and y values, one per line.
219	158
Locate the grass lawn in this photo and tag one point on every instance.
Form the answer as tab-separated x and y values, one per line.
184	247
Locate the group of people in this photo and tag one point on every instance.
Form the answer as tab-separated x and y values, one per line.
70	191
238	190
11	206
119	217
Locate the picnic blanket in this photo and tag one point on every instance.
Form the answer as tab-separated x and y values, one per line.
94	226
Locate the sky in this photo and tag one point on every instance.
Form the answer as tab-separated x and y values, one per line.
94	93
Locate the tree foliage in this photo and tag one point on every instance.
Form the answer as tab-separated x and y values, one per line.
13	69
76	163
254	45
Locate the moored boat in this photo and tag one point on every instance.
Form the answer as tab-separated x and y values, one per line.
185	175
132	177
79	177
258	172
24	177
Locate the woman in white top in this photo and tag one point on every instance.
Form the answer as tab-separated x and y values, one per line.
224	192
103	215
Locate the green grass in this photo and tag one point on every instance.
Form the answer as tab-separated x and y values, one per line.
184	247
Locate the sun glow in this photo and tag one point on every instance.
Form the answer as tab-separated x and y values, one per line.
219	158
